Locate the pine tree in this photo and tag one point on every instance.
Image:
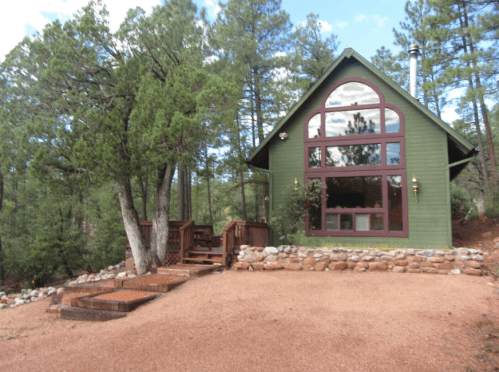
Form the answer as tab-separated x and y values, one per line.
312	55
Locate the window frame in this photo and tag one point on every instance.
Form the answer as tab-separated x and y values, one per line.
384	170
404	233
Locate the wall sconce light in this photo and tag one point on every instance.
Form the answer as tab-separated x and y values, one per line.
283	136
415	186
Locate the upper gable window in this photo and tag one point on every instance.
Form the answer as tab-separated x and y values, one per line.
392	121
354	144
354	109
350	94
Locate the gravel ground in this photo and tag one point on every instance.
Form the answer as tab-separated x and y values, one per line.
268	321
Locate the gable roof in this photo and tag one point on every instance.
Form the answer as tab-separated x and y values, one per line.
460	146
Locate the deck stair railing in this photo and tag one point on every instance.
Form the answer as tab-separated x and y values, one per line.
186	239
238	233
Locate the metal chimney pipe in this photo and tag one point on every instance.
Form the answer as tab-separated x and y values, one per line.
413	63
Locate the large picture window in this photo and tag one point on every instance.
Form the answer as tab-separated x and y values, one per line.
355	146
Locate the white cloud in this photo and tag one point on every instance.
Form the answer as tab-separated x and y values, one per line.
325	26
17	17
280	54
210	60
449	115
360	17
380	21
342	25
213	8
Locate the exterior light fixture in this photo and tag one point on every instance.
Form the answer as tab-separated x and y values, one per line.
283	135
415	186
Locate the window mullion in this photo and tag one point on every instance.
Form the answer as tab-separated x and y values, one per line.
384	192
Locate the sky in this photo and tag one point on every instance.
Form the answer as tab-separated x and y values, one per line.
364	25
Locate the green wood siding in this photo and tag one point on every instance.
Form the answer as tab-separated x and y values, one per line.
426	158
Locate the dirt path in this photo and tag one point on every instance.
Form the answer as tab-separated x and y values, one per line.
267	321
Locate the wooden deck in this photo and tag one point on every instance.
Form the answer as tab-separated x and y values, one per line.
196	244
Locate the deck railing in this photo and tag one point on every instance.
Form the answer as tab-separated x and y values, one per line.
186	239
238	233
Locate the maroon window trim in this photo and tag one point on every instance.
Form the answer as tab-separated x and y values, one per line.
383	169
383	141
385	232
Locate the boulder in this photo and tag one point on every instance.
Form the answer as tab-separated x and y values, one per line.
399	269
470	271
444	266
271	250
273	266
242	265
259	257
338	265
309	263
338	257
377	266
437	259
292	266
258	266
474	264
429	270
320	266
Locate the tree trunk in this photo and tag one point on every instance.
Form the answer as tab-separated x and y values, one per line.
144	188
188	196
475	115
2	269
243	197
181	196
266	201
141	253
161	213
208	187
480	204
483	107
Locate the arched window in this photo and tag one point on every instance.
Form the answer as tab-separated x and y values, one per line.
354	144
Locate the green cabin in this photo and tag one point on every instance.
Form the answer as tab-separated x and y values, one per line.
372	144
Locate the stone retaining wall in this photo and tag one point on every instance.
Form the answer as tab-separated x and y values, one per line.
456	261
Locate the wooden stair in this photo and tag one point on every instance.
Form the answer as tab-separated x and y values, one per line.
189	270
203	257
113	299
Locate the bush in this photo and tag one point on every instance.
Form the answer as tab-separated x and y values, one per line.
288	223
461	203
492	208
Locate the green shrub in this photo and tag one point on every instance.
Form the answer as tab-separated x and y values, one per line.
288	222
492	208
461	202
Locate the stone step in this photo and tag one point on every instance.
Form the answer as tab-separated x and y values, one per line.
79	313
121	301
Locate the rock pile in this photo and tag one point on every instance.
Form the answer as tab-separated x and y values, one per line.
111	272
30	295
456	261
26	296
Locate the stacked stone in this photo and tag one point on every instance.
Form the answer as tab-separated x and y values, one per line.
31	295
109	273
26	296
456	261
